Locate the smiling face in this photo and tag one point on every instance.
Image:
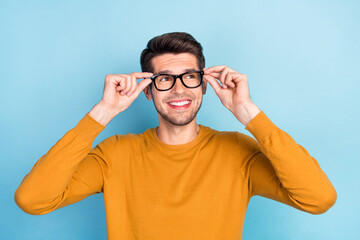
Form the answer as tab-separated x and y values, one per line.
179	105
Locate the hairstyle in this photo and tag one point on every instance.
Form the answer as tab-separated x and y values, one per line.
174	42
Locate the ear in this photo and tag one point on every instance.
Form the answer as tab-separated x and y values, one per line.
147	92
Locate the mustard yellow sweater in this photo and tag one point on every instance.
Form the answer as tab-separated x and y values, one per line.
198	190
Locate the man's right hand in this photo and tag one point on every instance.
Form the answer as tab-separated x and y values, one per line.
120	90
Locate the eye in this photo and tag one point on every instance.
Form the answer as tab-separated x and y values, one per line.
164	78
190	76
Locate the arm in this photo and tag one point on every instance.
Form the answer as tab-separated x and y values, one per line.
71	170
284	171
279	168
67	173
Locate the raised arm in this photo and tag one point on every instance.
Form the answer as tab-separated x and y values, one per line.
67	173
279	168
71	170
284	171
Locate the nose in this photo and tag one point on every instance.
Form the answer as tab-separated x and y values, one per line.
178	87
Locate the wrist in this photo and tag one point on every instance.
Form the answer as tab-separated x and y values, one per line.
246	112
102	113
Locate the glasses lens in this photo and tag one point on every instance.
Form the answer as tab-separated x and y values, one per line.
192	79
164	82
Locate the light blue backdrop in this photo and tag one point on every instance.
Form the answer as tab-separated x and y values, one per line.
301	58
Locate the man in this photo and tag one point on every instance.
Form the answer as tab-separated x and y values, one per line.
180	180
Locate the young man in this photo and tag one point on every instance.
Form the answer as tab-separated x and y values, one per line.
180	180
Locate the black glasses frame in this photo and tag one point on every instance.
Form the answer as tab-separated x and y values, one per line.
176	77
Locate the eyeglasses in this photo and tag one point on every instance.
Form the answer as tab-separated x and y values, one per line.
164	82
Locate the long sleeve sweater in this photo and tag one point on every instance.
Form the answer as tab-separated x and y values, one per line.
198	190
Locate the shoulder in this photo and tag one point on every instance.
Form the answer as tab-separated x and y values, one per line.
116	145
231	139
117	140
128	139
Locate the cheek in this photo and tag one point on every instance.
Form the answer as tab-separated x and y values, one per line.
157	98
199	96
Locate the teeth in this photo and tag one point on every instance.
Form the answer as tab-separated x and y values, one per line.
179	103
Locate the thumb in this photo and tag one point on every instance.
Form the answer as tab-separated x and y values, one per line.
215	85
141	86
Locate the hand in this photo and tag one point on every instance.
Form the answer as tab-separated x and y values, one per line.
233	91
120	91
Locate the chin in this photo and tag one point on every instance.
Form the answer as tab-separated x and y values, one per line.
178	117
177	121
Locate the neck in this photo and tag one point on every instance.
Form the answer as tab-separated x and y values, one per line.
175	135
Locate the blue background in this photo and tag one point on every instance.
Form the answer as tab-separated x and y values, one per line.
301	58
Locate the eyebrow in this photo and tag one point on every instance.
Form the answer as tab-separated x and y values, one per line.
168	71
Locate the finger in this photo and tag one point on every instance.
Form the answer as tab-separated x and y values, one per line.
223	76
120	87
218	72
133	86
215	85
120	83
113	80
141	86
128	85
139	75
229	80
215	75
217	69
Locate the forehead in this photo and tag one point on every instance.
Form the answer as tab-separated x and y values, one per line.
174	63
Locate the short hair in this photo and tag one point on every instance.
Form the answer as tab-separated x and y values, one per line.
174	42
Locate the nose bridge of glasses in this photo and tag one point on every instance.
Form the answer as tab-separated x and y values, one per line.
180	76
176	83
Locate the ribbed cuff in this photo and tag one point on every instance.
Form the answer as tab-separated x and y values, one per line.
88	128
261	126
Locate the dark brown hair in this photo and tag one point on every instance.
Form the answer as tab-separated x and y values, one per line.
174	42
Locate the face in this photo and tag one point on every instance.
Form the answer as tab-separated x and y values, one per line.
179	105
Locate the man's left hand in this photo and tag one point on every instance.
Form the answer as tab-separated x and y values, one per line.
233	91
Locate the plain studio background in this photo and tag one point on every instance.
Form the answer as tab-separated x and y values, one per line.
301	58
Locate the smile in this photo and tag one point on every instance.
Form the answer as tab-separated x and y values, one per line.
183	104
179	103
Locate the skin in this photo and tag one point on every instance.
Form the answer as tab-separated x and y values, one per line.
233	92
176	126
